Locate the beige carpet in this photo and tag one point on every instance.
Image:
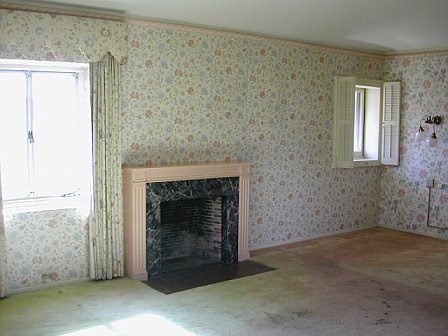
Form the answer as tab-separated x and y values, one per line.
372	282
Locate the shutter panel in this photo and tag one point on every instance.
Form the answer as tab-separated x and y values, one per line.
344	119
390	150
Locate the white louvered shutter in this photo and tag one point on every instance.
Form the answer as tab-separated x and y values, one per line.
344	110
391	124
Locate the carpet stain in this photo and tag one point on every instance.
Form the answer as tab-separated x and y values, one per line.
382	321
286	318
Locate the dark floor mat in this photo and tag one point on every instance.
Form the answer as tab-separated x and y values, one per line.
181	280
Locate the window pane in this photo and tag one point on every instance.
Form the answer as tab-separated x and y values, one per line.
13	135
358	134
56	134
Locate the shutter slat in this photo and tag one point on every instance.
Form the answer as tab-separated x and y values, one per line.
344	110
391	124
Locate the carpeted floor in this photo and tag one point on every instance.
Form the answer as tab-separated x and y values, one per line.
371	282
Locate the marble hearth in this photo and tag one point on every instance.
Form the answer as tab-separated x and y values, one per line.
144	188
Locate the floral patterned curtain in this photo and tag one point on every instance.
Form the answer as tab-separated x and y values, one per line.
3	259
62	38
106	228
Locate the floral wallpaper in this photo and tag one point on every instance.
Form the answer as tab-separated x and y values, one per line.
190	97
404	195
46	247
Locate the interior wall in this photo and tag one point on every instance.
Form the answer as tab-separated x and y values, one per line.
404	195
194	97
46	247
190	97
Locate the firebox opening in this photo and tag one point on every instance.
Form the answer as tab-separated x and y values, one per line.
190	233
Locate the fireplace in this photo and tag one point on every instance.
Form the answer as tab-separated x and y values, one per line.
191	233
189	199
211	203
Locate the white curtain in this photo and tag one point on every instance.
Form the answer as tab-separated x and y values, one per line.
3	256
106	227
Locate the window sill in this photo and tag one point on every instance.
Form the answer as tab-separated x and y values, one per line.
366	162
81	203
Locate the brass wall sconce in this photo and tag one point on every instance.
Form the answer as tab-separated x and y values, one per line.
420	136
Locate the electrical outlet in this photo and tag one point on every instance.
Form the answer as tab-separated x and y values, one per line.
430	183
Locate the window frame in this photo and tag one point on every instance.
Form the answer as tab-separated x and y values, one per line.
81	198
383	107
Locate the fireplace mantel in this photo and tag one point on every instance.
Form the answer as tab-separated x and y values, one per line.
135	179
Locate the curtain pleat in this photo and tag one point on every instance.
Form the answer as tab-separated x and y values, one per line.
3	252
106	225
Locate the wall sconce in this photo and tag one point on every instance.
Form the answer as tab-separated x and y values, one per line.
420	136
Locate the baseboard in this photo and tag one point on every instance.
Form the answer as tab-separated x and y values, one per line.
426	234
261	250
47	286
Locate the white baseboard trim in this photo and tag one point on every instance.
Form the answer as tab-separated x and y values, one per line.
320	235
418	233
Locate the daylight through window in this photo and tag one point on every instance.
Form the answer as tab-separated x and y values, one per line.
358	140
44	130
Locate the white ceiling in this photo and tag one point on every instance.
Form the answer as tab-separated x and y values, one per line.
378	26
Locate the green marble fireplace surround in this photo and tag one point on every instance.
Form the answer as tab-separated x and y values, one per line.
145	188
226	189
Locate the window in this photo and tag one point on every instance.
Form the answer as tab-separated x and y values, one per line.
358	134
366	122
45	150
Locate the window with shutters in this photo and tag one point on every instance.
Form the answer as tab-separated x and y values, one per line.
45	150
366	122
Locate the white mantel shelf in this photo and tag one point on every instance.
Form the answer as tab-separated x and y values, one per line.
135	179
194	171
